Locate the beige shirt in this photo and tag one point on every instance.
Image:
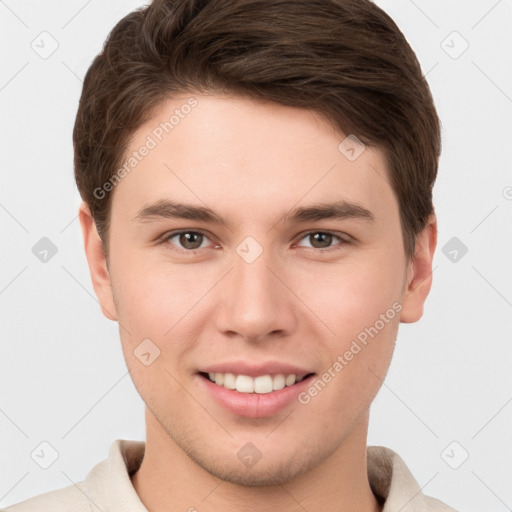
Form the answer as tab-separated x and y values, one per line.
108	488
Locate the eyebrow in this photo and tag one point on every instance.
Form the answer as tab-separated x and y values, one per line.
339	210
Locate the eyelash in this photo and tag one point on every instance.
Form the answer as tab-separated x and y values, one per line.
344	241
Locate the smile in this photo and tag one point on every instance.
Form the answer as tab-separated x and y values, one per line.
261	384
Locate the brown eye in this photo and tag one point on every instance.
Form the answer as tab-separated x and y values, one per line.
186	240
322	240
191	240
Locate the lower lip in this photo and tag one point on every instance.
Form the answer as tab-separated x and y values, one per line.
254	405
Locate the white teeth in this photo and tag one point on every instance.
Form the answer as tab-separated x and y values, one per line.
244	384
290	380
278	382
229	381
261	384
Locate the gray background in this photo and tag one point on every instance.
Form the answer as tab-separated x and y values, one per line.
448	393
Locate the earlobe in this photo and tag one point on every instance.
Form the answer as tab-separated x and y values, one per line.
97	263
419	273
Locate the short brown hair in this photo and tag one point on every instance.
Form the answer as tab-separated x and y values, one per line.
345	59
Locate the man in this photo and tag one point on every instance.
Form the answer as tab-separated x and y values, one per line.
257	182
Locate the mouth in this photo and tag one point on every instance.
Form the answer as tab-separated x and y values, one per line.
258	385
253	389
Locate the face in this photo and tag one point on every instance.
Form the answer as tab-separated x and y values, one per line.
285	258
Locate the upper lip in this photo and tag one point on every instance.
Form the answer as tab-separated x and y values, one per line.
243	367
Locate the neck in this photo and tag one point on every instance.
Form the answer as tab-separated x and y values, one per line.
170	480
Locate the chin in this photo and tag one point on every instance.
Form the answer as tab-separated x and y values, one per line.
277	473
276	468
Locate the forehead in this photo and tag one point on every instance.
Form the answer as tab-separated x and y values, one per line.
241	153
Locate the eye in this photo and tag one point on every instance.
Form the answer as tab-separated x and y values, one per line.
187	241
322	240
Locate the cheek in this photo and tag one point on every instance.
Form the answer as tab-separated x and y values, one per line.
160	302
360	303
152	312
151	295
351	295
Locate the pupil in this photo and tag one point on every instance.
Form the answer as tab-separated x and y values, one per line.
185	240
326	240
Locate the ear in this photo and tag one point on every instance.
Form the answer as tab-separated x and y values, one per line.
97	263
419	273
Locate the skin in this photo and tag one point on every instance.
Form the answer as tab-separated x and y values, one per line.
301	301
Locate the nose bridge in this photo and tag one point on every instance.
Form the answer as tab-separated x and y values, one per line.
255	302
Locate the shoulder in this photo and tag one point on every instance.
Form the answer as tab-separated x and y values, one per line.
392	481
72	498
107	486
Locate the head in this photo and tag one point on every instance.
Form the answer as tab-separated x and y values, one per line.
261	113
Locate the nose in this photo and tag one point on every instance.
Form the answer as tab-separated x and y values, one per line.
255	302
